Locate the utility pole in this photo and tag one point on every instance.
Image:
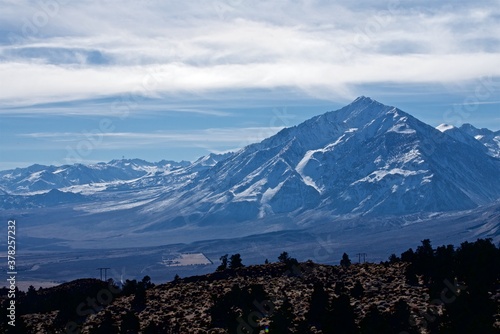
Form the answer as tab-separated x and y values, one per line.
361	255
105	272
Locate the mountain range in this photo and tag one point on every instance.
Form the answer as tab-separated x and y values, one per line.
365	157
364	160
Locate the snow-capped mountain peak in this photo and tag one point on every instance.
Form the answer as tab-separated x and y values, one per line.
363	159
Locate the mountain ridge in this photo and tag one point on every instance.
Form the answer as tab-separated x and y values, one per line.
483	139
365	158
250	174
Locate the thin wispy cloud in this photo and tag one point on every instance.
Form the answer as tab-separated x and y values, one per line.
238	137
115	108
478	103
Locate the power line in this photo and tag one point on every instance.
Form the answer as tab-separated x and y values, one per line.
361	255
105	272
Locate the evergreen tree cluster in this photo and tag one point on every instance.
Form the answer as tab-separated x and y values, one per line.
76	300
65	299
395	322
287	260
234	262
332	316
461	279
240	309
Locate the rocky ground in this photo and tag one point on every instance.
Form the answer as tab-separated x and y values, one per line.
184	305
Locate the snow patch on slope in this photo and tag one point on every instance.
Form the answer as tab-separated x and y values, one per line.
444	127
378	175
402	128
112	206
300	169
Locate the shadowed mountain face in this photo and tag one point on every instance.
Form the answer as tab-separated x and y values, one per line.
366	158
488	138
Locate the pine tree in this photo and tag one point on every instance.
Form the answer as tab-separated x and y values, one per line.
345	262
341	318
357	291
107	325
393	258
129	323
374	322
146	282
223	264
284	257
399	320
408	256
152	328
281	320
339	288
235	261
31	293
318	306
410	275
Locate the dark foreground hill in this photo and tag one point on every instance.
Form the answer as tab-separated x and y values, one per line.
442	290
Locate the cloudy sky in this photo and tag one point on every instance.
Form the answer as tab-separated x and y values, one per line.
88	81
